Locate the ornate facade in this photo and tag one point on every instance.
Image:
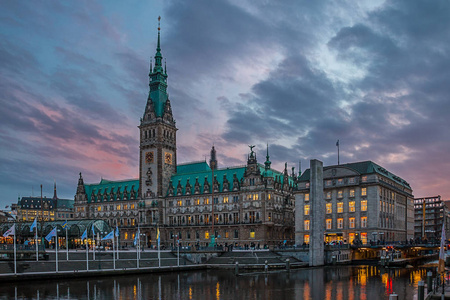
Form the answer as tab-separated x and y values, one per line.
249	204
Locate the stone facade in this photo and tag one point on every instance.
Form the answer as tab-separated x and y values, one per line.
363	201
250	204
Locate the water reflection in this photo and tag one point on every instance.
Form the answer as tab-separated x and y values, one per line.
347	282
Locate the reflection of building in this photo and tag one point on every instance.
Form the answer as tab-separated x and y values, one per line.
249	204
49	209
362	201
436	212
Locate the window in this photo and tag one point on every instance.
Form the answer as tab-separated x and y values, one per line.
351	206
206	235
306	197
306	224
328	222
252	234
351	180
363	222
364	205
227	234
132	206
206	201
236	234
255	196
340	194
99	208
225	199
125	206
352	222
364	237
329	182
216	200
179	203
197	201
328	195
340	207
118	207
364	179
351	237
340	223
340	181
306	238
364	192
269	196
235	199
306	210
328	206
351	193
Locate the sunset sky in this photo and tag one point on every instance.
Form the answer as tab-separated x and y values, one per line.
298	75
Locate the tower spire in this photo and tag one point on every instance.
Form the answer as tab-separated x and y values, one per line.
267	162
54	190
158	55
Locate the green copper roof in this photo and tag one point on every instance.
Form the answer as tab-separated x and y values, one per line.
107	185
363	167
200	166
201	170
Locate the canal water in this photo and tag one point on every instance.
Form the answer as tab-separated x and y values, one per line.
330	283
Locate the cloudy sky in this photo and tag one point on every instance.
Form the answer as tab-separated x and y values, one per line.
297	75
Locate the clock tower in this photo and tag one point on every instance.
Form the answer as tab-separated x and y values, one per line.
158	146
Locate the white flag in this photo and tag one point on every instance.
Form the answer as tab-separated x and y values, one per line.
11	231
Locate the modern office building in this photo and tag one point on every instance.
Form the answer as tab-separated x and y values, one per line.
429	214
363	202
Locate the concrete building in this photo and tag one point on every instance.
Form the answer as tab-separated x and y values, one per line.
363	202
436	212
196	202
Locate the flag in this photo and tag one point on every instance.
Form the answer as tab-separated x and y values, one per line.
136	237
337	143
11	231
109	236
93	231
441	267
158	236
84	236
33	225
64	225
51	234
117	231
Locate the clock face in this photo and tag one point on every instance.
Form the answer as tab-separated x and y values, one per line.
149	157
168	158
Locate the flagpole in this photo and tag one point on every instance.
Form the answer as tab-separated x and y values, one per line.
114	259
15	261
37	244
87	255
67	244
337	144
56	248
93	242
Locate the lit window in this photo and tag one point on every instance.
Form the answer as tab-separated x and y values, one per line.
225	199
99	208
351	206
306	210
340	207
179	203
227	234
328	195
306	224
118	207
364	205
340	223
207	235
252	234
328	222
364	237
328	208
364	192
125	206
351	237
126	235
269	196
306	238
352	222
255	196
206	201
352	193
307	185
197	201
131	206
340	194
363	222
306	197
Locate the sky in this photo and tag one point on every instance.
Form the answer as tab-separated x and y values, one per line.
296	75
